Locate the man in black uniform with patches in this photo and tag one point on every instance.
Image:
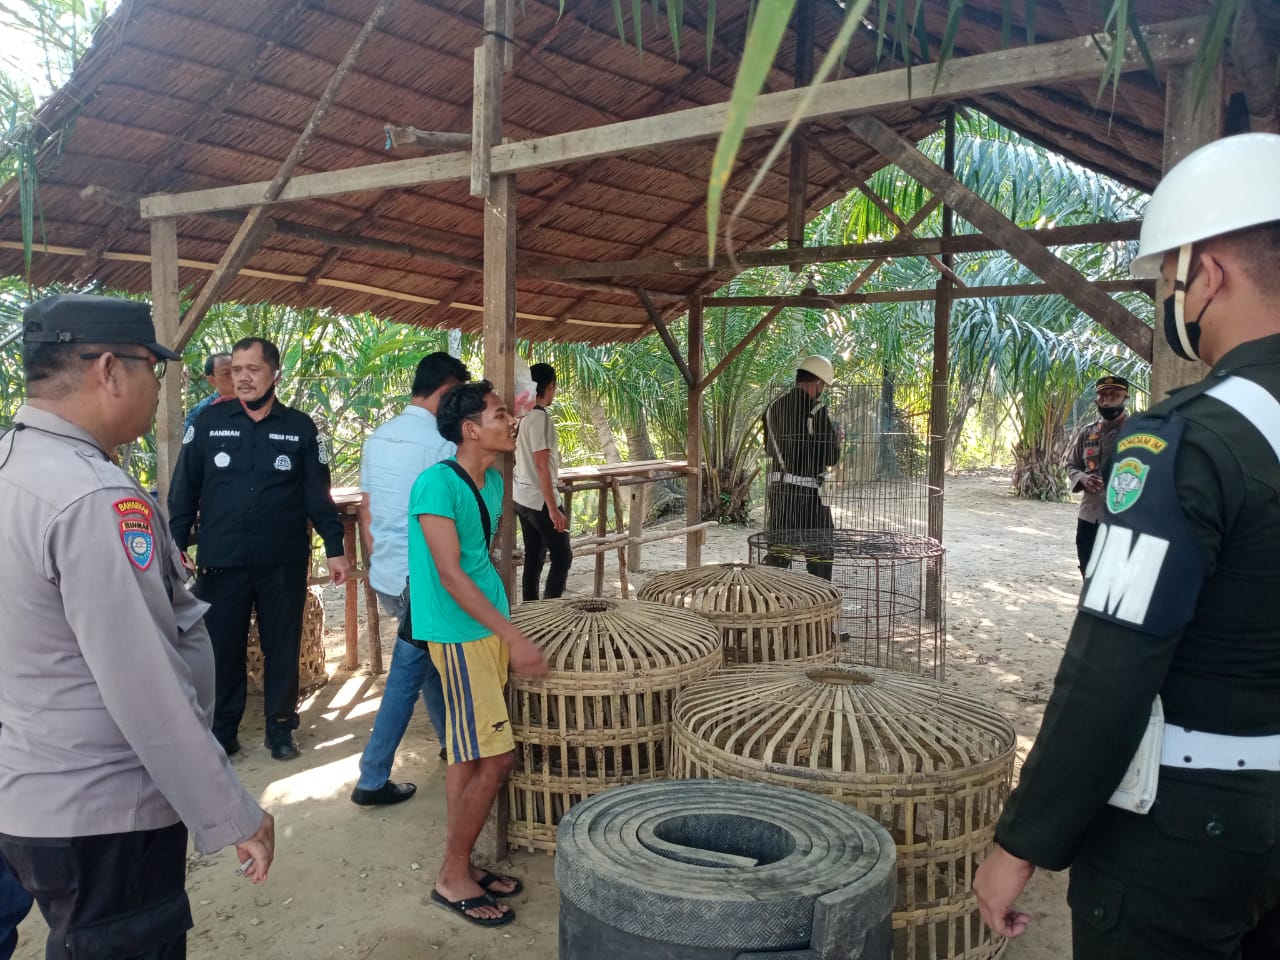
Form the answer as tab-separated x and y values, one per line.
256	471
1181	601
801	441
1088	462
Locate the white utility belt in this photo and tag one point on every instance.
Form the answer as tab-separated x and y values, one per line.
1167	745
1194	750
813	482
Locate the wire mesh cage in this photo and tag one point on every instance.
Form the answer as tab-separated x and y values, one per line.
931	766
764	616
862	460
892	590
602	715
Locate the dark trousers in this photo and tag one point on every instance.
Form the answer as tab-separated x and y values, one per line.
542	538
279	594
799	522
15	904
1086	534
118	896
1197	878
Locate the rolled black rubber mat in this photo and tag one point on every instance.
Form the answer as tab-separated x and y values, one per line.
717	870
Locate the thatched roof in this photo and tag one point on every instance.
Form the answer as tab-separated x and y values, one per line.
178	95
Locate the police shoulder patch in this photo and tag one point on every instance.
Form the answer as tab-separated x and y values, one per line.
322	449
136	533
189	435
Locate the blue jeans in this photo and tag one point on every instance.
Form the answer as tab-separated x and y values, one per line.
15	903
411	673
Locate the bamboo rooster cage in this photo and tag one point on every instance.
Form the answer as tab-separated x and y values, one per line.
931	766
311	672
602	716
763	615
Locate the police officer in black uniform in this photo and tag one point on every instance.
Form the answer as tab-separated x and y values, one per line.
1156	774
256	471
802	442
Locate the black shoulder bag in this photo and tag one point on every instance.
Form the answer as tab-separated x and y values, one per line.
405	630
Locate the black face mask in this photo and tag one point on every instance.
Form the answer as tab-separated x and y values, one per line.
262	401
1171	330
1110	413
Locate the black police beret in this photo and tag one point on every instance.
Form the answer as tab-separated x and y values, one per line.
1111	381
80	318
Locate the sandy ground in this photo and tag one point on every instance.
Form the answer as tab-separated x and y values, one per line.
350	882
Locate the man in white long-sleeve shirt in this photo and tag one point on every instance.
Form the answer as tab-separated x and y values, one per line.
106	755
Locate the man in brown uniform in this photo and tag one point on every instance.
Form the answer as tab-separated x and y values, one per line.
106	757
1088	461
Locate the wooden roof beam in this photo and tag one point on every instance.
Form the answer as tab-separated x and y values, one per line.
1127	327
908	247
1076	59
930	293
256	225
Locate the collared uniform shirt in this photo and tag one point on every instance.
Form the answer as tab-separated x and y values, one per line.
255	485
1181	598
108	681
1092	453
394	455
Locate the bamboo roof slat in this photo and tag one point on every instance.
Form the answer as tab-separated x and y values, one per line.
182	95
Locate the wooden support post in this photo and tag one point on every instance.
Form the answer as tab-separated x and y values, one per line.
941	360
500	332
635	523
602	530
372	626
624	587
1131	330
1188	123
799	173
350	598
165	311
499	322
693	496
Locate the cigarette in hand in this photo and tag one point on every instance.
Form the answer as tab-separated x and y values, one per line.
243	868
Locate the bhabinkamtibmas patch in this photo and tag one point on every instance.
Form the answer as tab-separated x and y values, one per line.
1142	441
135	530
1128	477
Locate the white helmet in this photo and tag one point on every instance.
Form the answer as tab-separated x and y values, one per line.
1225	185
820	367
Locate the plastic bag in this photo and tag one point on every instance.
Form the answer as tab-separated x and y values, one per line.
526	394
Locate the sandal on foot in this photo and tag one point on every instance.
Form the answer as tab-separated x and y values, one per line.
460	907
489	880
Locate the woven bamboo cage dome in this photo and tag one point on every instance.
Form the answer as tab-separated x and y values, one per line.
602	716
933	767
764	615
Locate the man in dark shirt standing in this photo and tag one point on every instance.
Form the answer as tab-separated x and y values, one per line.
256	471
801	442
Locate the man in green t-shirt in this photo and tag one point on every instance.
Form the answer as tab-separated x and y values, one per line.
460	610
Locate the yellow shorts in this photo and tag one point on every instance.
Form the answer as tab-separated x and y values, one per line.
474	677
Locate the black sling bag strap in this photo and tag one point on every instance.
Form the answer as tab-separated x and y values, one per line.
405	630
